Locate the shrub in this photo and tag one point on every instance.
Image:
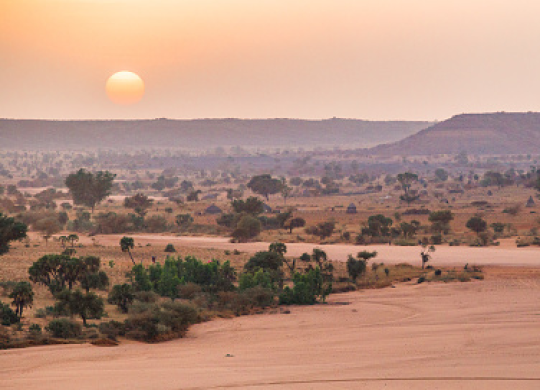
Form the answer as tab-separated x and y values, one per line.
122	296
7	315
112	329
421	279
189	290
260	296
146	296
64	328
438	272
259	278
170	248
306	289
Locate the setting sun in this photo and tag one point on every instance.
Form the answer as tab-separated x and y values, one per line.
125	88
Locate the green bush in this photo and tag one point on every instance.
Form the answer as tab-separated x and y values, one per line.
261	278
7	315
170	248
306	289
112	329
64	328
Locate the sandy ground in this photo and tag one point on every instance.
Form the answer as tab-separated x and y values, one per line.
479	335
506	254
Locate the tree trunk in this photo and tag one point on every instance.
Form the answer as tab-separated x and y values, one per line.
130	255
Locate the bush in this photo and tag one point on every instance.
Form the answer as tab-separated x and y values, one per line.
307	288
438	272
64	328
7	315
260	296
112	329
421	279
170	248
34	331
189	290
146	296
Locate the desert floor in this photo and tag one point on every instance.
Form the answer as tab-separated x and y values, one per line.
505	254
478	335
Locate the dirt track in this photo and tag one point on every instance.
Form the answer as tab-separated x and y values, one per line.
480	335
506	254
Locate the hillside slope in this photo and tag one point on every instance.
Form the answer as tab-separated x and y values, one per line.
200	134
498	133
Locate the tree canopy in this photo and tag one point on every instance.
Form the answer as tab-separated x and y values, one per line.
265	185
89	189
10	230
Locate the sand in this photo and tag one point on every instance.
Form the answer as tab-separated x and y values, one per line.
478	335
506	254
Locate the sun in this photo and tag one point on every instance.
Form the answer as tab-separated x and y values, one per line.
125	88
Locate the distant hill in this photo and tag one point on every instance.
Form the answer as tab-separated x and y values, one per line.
498	133
200	134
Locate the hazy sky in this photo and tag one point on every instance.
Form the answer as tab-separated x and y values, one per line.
369	59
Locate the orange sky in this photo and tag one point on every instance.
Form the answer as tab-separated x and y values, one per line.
370	59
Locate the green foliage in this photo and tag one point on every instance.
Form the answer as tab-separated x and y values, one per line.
251	205
121	295
323	229
87	306
356	268
183	221
10	231
441	174
88	188
260	277
7	315
440	221
23	296
64	328
498	227
153	322
306	289
270	261
126	244
170	248
140	278
476	224
138	202
265	185
378	226
247	227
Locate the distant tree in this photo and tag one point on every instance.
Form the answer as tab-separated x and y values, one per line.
476	224
295	223
406	180
126	244
193	196
286	190
378	226
440	221
184	220
138	202
122	295
426	254
323	229
265	185
247	228
48	227
251	205
72	238
22	296
63	240
88	188
498	227
91	277
441	174
409	229
10	231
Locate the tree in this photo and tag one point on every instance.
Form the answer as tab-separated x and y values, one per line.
409	229
22	296
48	227
56	272
280	248
138	202
356	268
72	238
183	220
378	225
251	205
440	221
285	190
323	229
91	277
88	188
406	180
426	254
247	228
121	295
265	185
63	240
477	225
441	174
126	244
10	231
295	223
498	227
87	306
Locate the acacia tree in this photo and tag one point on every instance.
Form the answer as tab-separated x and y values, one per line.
294	223
10	231
138	202
477	225
440	221
88	188
87	306
122	296
22	296
406	180
265	185
127	243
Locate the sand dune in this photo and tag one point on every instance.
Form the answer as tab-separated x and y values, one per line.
479	335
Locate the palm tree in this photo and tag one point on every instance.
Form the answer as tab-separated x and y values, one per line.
63	240
22	296
72	238
127	243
